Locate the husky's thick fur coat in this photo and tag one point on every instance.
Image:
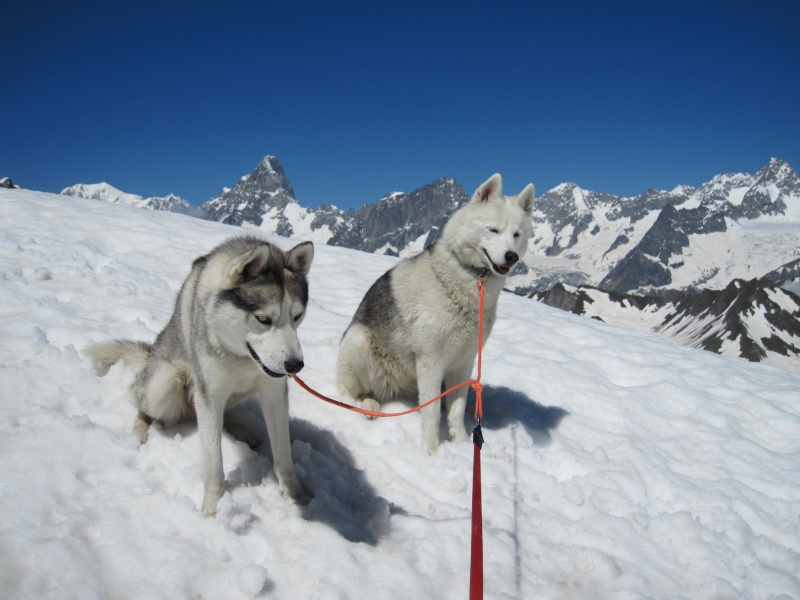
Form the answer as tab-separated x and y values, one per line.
233	334
416	330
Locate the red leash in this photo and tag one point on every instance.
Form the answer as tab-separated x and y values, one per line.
476	549
476	552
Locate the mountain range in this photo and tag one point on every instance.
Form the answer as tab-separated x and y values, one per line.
736	237
108	193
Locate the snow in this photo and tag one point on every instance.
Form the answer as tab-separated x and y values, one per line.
301	220
616	464
736	195
748	249
104	192
413	247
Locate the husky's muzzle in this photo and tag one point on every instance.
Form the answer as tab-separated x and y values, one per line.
291	366
511	259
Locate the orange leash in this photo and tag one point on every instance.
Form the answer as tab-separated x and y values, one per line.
475	384
372	413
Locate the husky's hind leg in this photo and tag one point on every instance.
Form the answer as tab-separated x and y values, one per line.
160	392
353	368
141	428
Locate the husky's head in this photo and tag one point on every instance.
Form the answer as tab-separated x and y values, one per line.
491	232
263	304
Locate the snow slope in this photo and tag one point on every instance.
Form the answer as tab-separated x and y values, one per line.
616	464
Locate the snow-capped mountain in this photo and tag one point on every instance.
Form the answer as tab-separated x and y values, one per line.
402	224
735	226
108	193
756	319
264	199
398	224
259	198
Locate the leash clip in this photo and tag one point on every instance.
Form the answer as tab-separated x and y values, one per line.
477	433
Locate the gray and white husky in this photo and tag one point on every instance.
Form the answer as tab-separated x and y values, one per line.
416	330
233	334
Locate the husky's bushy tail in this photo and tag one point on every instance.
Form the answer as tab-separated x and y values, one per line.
134	355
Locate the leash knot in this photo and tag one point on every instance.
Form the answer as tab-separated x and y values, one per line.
478	387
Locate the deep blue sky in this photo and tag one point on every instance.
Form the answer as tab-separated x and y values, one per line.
358	99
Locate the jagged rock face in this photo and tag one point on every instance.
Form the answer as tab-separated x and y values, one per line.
745	311
326	215
569	212
265	190
572	300
399	220
773	186
755	320
648	263
786	275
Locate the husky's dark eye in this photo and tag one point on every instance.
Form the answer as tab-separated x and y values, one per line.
264	320
516	234
298	317
492	229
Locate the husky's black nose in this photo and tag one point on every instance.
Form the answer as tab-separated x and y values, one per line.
293	366
511	258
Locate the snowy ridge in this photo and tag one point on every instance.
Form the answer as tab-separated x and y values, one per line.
616	464
755	320
105	192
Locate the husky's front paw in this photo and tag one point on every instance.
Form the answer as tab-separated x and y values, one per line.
431	447
298	495
371	405
210	506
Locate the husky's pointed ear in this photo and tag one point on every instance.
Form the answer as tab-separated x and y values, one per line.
298	259
246	266
489	190
525	198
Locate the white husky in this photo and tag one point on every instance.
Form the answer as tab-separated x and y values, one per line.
233	334
416	330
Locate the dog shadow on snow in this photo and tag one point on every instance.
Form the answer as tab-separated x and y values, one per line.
343	498
503	406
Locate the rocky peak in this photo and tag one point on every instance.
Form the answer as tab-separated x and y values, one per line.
264	190
775	190
400	219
